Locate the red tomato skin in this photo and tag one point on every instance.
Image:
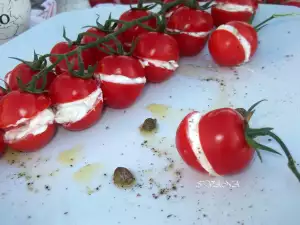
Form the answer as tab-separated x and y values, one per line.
25	73
17	105
231	154
88	121
2	144
129	95
157	46
190	20
118	95
226	49
184	147
66	88
63	48
129	35
33	143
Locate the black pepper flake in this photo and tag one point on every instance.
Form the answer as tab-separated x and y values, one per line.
170	215
107	127
28	217
204	215
38	176
47	187
66	213
71	165
105	174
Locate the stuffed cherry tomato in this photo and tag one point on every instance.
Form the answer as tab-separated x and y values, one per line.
25	73
233	43
193	27
130	34
159	54
27	120
122	80
77	102
87	55
209	147
225	11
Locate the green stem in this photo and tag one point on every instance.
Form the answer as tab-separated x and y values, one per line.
263	23
251	134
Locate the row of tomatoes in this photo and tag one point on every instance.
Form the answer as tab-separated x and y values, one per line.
122	78
281	2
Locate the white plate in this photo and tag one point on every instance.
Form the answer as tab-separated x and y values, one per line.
268	192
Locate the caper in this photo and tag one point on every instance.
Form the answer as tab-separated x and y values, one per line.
123	177
149	125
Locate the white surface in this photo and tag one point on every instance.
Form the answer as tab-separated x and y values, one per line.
268	192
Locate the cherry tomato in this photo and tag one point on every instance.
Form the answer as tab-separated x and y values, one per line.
87	55
193	26
159	54
78	102
97	52
26	120
129	35
122	80
225	11
233	43
25	73
2	144
208	147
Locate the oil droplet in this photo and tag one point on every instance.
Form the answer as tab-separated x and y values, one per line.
87	173
158	110
192	70
89	191
70	156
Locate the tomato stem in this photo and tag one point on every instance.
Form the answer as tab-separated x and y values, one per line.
251	134
261	25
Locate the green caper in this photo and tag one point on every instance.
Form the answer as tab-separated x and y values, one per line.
149	125
123	177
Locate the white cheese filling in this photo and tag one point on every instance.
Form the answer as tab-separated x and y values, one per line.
194	140
169	65
34	126
72	112
234	7
193	34
120	79
243	41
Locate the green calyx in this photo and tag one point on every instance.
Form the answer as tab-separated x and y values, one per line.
38	63
141	5
251	134
108	26
193	4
